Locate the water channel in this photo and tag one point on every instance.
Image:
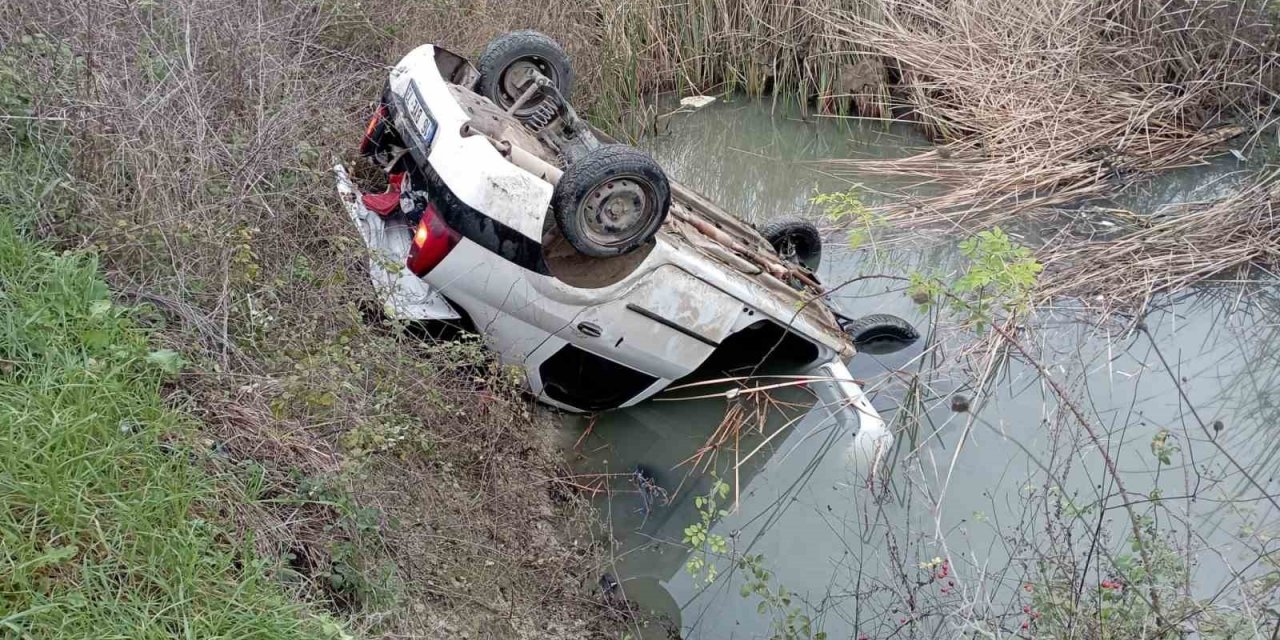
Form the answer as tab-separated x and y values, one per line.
984	488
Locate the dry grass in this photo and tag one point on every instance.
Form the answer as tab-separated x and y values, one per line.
1047	102
784	48
406	483
1181	245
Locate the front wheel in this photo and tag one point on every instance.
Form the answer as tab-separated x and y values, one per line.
611	201
880	333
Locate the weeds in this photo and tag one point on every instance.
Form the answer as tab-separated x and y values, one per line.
199	136
846	208
787	619
699	537
997	280
1053	102
999	276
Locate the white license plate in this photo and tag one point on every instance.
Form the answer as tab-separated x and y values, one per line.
418	116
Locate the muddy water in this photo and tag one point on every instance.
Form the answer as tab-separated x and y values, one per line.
982	488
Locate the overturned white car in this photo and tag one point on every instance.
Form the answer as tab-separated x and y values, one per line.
579	260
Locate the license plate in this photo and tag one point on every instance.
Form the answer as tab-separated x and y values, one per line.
418	116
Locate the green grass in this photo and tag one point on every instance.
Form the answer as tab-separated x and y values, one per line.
108	520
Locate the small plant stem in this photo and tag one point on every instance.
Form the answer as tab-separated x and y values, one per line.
1106	459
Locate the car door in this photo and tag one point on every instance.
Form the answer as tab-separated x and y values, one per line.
663	329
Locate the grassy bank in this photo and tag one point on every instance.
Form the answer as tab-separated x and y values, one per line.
105	519
109	508
337	462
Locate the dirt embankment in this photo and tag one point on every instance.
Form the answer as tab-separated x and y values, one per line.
403	483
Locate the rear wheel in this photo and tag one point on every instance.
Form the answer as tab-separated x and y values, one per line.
611	201
510	61
797	241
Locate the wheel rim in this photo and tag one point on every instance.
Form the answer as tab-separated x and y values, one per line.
516	77
617	211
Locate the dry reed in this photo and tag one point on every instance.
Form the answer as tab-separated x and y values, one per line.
1046	102
783	48
1183	245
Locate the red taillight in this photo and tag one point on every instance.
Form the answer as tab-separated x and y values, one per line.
431	242
371	130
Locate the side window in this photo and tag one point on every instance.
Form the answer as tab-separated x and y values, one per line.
586	381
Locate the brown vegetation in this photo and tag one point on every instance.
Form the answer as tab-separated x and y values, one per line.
403	482
1043	102
788	49
1178	247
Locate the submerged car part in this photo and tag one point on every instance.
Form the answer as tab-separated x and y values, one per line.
880	333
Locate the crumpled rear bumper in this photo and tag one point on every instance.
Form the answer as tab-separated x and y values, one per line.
404	295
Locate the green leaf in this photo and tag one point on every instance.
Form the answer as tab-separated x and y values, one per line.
168	360
99	308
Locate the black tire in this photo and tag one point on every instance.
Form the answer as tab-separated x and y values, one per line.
795	240
510	50
883	330
610	186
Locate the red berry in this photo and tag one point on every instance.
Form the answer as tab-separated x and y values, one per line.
1025	625
1026	608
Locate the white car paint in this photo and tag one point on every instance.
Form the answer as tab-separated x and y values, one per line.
527	316
472	168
